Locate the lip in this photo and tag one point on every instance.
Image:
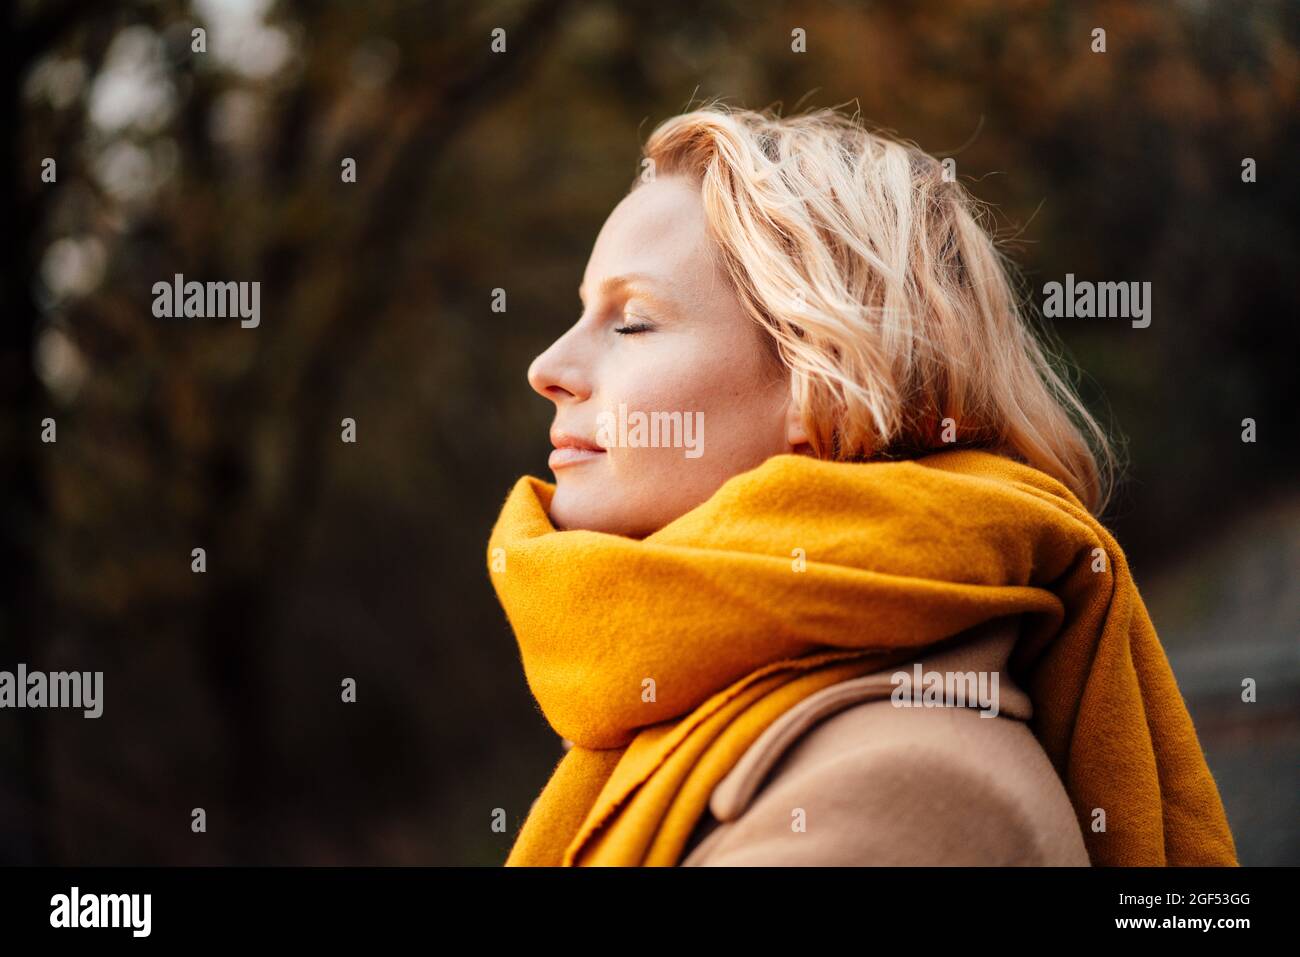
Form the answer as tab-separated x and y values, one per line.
571	450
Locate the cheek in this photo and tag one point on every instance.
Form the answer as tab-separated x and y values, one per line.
693	372
636	490
736	418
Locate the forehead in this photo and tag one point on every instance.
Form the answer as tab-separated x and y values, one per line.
657	228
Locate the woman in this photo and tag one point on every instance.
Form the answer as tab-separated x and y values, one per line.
819	579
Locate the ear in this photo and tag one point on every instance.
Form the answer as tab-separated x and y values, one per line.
795	433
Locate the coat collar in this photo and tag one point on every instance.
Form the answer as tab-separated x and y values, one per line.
985	649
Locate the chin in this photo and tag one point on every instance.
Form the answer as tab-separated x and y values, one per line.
594	512
571	511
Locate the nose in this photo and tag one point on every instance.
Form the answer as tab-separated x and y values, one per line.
558	373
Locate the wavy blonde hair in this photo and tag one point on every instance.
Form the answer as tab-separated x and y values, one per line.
889	304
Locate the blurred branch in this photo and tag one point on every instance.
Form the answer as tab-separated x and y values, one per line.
426	129
27	609
237	630
43	31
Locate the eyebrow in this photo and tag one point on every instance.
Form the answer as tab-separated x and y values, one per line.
638	279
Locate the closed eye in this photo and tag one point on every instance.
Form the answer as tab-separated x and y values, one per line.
633	328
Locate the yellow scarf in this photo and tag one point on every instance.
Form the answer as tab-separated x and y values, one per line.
663	659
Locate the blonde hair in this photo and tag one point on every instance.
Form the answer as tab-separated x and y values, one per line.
887	301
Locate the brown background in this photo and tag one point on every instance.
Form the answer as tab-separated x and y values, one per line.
480	171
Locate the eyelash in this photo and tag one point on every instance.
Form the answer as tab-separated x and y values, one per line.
631	328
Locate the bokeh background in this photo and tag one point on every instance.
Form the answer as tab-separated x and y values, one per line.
478	171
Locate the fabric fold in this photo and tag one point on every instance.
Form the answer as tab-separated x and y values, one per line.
662	659
986	650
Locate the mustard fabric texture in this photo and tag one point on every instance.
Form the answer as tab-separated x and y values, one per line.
662	659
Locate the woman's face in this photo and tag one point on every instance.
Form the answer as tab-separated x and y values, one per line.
663	388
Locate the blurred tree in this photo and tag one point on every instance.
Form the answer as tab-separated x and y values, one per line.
476	171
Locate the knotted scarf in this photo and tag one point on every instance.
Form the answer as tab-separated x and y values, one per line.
662	659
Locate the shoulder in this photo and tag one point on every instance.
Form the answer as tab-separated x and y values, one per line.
875	784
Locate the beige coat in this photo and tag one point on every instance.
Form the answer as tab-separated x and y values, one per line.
849	778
